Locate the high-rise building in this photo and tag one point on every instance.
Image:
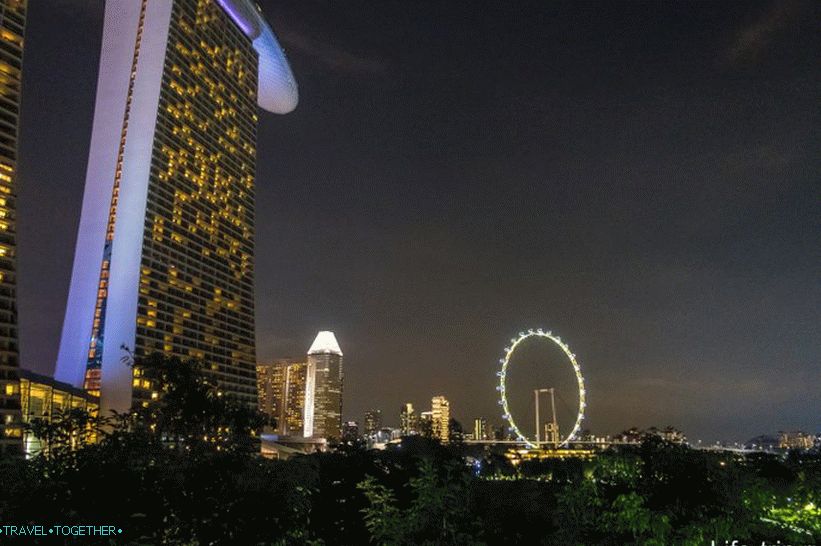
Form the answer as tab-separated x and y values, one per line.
12	28
481	431
408	421
295	399
165	251
440	418
426	424
271	388
797	439
281	391
350	431
323	388
373	422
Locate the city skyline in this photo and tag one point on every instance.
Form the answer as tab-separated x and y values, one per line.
675	247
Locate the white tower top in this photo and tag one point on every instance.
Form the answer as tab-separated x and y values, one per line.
325	343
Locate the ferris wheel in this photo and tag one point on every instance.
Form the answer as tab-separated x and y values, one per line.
502	374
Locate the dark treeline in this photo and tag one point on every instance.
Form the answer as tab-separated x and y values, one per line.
185	470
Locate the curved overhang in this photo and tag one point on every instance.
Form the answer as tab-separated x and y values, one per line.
277	90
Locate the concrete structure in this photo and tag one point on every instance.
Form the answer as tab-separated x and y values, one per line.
165	251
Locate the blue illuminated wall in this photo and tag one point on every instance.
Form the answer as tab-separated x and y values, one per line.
132	26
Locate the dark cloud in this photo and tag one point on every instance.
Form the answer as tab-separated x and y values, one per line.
330	55
752	40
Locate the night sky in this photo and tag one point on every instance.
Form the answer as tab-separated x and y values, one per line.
642	179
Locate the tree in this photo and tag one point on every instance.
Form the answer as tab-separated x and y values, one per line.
67	431
456	434
191	413
629	515
437	514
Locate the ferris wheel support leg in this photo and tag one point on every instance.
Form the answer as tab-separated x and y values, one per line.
536	397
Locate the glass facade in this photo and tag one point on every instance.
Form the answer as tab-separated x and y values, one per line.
326	370
44	398
12	29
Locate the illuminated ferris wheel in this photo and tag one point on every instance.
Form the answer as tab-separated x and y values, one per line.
505	362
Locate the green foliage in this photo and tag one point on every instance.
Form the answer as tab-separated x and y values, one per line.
382	517
191	414
578	513
436	515
629	515
618	469
70	429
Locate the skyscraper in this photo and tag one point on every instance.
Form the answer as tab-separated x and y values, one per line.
408	421
281	386
295	399
270	389
164	258
481	431
12	28
323	388
350	431
373	422
440	418
426	424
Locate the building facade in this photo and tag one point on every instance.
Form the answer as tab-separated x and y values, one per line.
281	391
12	29
426	424
440	418
44	398
350	431
270	389
408	420
481	430
323	388
373	422
165	258
795	439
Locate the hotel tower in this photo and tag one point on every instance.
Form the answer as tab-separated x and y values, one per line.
164	260
12	26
